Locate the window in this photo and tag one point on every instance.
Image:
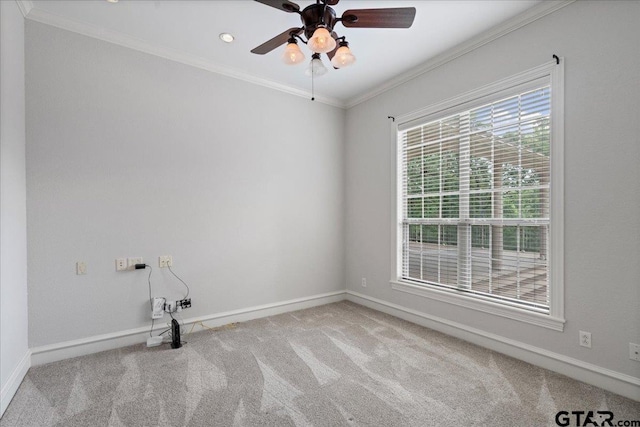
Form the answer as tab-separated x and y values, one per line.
479	207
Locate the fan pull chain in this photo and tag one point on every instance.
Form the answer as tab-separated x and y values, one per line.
313	98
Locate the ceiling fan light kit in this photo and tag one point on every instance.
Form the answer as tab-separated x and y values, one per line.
316	67
292	54
321	41
343	56
318	21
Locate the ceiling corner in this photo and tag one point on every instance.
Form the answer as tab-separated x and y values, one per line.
25	6
543	9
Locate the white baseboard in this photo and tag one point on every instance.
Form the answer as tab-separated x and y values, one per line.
65	350
607	379
11	386
616	382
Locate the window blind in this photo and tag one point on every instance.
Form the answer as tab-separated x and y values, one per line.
475	198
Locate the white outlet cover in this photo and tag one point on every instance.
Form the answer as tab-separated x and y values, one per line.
121	264
165	261
634	351
131	262
585	339
81	267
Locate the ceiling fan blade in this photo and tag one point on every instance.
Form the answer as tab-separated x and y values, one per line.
398	17
277	41
285	5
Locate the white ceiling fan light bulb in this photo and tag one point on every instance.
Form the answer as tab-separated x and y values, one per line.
321	41
316	68
292	54
343	57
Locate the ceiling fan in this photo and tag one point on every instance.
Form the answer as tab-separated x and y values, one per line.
318	22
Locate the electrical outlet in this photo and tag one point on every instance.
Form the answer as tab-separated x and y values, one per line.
81	267
634	351
364	282
121	264
585	339
184	303
131	263
170	306
165	261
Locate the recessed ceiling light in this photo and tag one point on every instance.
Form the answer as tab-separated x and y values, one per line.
112	1
226	37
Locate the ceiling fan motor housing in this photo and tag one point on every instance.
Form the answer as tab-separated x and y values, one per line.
315	16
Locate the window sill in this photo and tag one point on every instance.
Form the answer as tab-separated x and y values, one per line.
485	306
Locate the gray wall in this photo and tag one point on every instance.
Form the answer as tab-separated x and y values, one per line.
133	155
599	41
13	217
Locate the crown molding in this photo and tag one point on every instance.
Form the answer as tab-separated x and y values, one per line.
544	8
25	6
125	40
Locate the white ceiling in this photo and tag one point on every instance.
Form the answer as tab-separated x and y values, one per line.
188	31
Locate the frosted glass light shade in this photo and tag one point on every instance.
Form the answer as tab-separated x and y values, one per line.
292	54
316	68
321	41
343	57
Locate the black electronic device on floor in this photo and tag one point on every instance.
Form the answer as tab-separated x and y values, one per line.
175	334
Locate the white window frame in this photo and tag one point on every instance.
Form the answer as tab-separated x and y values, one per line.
554	74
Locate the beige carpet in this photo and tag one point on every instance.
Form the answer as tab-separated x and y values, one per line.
335	365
